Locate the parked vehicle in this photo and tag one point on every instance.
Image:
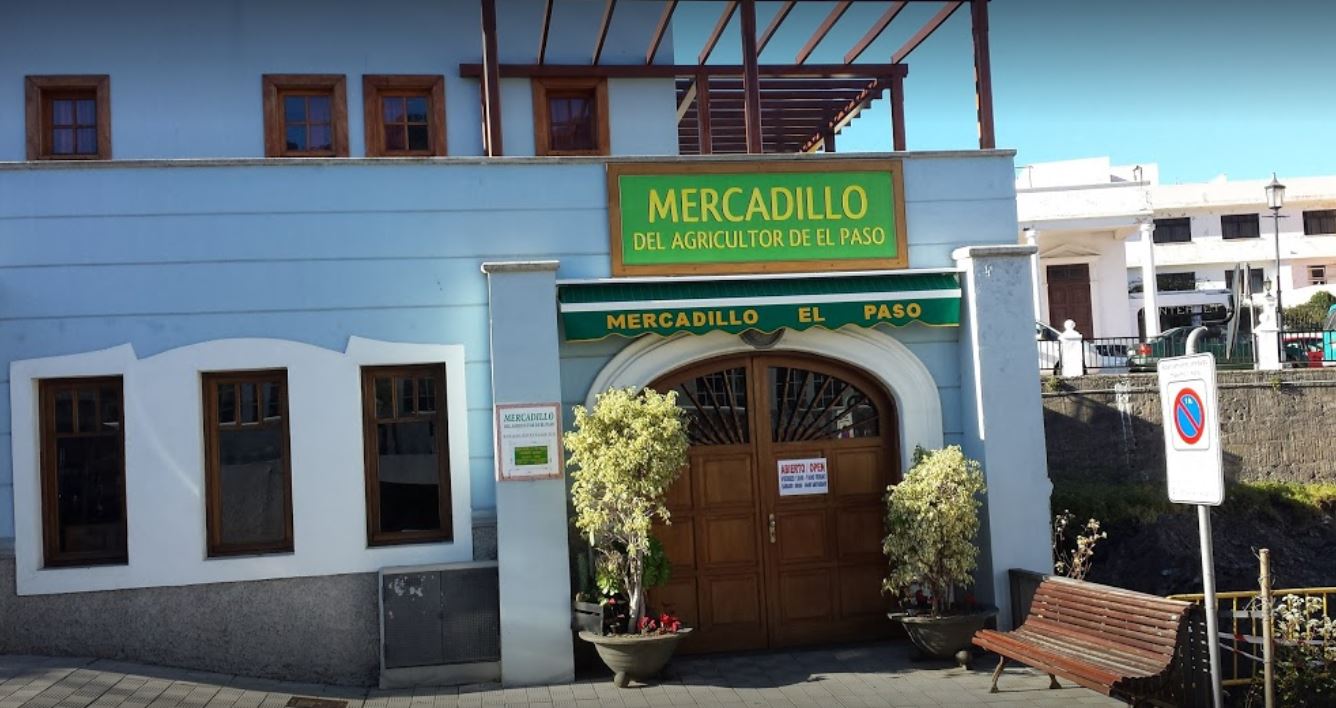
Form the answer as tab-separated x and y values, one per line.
1185	308
1329	335
1174	342
1098	355
1305	350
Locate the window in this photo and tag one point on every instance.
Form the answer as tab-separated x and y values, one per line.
570	116
1320	221
1173	230
1168	282
305	115
69	117
407	454
1317	275
1255	280
1240	226
405	115
82	471
248	478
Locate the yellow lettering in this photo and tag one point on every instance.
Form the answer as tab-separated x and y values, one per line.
709	204
728	204
750	317
689	205
757	205
633	321
804	314
914	310
862	201
683	320
617	321
869	311
662	208
775	194
829	198
699	318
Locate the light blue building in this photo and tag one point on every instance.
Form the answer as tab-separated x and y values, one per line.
272	274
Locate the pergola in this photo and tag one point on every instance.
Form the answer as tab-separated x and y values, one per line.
753	107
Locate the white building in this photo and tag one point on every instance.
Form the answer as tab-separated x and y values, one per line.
1090	220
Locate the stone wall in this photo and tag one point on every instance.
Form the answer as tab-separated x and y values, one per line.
1276	426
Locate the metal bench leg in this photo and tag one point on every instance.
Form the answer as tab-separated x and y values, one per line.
1053	682
1002	661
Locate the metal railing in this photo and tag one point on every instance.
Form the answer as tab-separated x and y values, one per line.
1241	627
1309	346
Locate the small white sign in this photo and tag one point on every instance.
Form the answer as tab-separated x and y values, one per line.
528	441
807	476
1193	461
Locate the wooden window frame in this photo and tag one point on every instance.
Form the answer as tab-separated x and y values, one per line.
35	90
212	461
1233	222
542	120
52	557
371	454
275	85
377	86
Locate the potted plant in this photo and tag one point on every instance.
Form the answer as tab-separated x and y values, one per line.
625	454
932	518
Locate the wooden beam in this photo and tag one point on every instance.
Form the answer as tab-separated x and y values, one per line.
912	43
677	71
542	37
983	74
491	83
603	30
898	113
684	103
751	77
665	21
821	31
828	141
775	22
718	32
872	34
704	131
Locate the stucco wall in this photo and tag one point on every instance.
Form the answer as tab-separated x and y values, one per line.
188	85
1275	426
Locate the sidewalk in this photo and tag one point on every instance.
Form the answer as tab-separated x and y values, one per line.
863	675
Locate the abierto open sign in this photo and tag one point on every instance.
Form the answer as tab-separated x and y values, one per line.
1193	461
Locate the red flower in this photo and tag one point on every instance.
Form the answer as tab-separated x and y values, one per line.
1238	637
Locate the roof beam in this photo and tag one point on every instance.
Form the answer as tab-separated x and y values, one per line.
822	30
603	29
684	103
912	43
542	36
718	32
872	34
665	20
775	22
677	71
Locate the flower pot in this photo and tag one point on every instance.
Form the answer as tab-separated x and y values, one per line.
634	656
946	636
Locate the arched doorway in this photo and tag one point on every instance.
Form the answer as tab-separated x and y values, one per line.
758	566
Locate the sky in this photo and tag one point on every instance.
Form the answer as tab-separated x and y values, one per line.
1201	88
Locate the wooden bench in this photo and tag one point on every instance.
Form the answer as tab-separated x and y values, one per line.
1118	642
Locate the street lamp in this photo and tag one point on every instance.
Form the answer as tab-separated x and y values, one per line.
1275	199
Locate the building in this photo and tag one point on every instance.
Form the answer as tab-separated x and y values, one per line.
1091	219
281	279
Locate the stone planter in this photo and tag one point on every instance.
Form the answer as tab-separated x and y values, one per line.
634	657
946	637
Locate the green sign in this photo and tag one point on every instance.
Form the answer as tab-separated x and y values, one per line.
531	455
587	325
710	217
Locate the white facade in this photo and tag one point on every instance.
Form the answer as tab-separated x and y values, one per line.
1091	212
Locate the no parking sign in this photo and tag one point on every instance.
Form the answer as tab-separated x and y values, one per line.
1193	462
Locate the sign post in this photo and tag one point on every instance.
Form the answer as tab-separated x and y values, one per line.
1194	468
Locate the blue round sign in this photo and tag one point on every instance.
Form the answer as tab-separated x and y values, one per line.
1189	416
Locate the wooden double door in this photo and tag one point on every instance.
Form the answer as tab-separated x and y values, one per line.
754	565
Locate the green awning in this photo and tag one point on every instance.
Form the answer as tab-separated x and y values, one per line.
631	307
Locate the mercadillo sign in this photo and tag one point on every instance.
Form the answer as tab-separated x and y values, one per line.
752	217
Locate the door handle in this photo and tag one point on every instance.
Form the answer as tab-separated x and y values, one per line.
772	528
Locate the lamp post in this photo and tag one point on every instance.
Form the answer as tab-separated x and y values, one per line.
1275	199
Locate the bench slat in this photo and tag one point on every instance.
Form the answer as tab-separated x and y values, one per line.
1111	658
1107	595
1086	674
1150	651
1153	618
1153	639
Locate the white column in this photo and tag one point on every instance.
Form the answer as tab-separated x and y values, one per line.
1266	337
532	551
1149	291
1002	417
1032	239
